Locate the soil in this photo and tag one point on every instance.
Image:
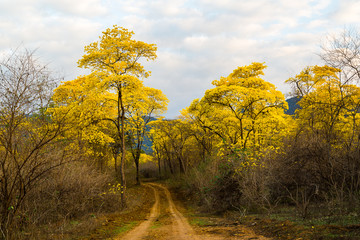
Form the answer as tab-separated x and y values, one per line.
165	221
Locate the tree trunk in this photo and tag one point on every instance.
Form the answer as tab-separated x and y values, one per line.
170	166
121	115
3	223
122	177
137	159
115	163
181	165
159	163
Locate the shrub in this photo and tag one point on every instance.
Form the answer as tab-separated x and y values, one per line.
69	192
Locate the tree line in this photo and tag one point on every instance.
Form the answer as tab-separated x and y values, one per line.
237	149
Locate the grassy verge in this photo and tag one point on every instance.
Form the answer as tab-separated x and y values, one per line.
283	224
282	228
140	200
99	225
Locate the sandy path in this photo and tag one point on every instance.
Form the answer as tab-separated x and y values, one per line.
181	228
140	231
165	222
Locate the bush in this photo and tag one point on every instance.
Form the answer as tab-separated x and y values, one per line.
149	170
310	171
69	192
213	184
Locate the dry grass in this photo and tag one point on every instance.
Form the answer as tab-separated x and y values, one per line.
63	199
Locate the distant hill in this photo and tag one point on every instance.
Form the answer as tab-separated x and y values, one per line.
147	143
292	102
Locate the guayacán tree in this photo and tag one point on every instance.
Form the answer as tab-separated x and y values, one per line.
161	146
241	114
116	55
243	110
328	106
201	128
140	108
86	103
171	143
326	143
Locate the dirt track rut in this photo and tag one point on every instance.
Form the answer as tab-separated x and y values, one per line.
173	225
165	222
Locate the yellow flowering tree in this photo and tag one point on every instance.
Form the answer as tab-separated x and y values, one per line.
85	102
243	110
117	56
114	61
170	142
329	107
141	108
324	151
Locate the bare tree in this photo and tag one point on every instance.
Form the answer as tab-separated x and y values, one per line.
343	51
26	131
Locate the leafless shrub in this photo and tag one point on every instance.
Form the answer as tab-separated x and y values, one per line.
308	172
26	132
67	193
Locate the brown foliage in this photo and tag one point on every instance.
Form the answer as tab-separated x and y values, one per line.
68	193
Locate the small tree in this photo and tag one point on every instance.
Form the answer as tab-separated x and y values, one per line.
26	131
141	108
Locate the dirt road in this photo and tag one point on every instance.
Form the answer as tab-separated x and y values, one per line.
166	222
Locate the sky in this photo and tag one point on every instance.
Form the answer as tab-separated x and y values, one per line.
198	40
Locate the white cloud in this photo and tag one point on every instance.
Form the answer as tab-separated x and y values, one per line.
198	40
89	8
196	43
348	12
